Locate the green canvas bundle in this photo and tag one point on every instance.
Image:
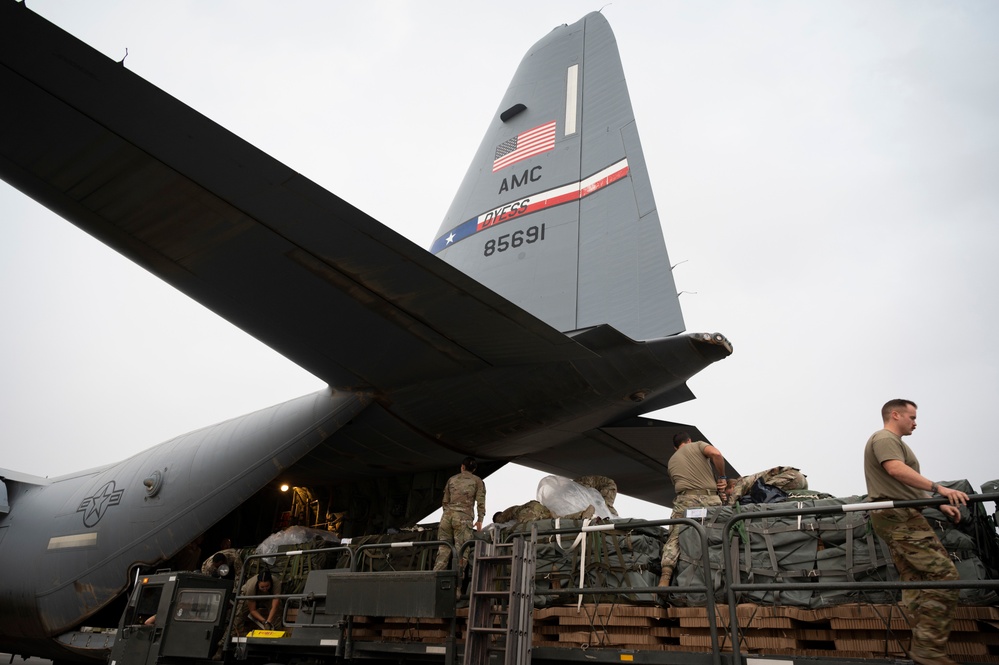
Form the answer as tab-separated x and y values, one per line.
626	557
838	547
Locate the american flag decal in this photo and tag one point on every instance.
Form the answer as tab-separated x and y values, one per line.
524	145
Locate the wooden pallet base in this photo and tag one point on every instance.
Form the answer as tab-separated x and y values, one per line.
845	631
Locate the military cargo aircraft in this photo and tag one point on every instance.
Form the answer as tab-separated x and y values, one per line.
539	328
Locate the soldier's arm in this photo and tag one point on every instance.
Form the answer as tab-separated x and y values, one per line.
480	500
275	610
906	475
251	609
718	461
447	495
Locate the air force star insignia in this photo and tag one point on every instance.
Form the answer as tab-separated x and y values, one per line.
94	507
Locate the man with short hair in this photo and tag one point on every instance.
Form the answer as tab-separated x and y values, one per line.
463	492
697	470
892	472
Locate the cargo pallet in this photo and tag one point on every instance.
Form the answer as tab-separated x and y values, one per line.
345	615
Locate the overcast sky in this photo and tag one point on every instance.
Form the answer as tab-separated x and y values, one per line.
827	175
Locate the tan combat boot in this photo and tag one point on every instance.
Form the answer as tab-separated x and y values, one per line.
939	660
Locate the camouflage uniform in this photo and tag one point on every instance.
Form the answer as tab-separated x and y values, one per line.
606	486
462	493
232	558
528	512
696	487
915	549
535	510
919	556
683	501
782	477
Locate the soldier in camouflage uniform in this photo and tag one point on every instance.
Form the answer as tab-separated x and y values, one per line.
782	477
690	469
606	486
535	510
892	473
229	557
462	493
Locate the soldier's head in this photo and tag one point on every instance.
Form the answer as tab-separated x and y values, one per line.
899	416
679	439
468	464
264	582
220	567
496	517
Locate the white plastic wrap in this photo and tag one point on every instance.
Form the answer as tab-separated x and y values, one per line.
562	496
292	536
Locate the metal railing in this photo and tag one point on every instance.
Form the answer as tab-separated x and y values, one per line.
731	572
449	652
284	597
633	524
730	569
412	543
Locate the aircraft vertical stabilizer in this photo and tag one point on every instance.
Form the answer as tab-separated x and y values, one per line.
556	212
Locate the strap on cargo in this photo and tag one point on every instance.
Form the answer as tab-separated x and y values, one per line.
580	539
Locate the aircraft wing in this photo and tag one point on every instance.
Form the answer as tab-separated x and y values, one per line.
25	478
354	302
302	270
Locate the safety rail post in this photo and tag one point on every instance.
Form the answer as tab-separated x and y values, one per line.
409	543
237	597
633	524
730	569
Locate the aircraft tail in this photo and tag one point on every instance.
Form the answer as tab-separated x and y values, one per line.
556	211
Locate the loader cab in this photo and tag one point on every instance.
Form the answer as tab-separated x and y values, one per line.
172	616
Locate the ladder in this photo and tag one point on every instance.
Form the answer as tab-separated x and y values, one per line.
501	603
